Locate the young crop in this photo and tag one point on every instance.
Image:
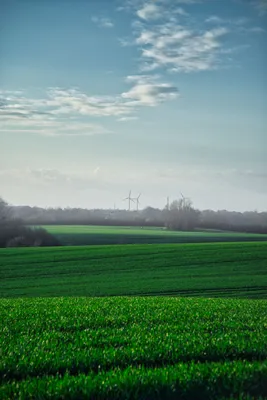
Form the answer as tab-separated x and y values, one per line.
87	234
207	270
136	348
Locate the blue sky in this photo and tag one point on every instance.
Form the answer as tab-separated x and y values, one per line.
163	96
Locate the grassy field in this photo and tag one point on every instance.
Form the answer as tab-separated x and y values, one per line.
72	235
133	348
207	270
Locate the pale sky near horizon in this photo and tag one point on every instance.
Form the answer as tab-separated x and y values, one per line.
160	97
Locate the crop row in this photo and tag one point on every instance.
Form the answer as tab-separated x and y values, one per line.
41	337
227	380
224	270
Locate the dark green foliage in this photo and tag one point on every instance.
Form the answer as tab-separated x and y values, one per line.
208	270
14	234
133	348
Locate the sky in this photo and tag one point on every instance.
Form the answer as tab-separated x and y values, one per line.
98	97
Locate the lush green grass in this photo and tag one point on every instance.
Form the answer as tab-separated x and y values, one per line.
133	348
83	235
211	270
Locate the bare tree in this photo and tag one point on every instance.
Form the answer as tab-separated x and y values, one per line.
182	215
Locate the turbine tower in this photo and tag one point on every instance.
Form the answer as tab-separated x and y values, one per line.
137	201
129	198
168	203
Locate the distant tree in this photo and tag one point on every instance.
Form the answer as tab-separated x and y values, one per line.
181	215
207	219
152	214
13	233
5	211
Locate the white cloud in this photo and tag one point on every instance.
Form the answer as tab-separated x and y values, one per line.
169	38
129	5
142	78
214	19
151	94
149	11
149	91
238	25
146	91
180	11
103	22
125	119
180	49
73	100
174	41
41	116
65	112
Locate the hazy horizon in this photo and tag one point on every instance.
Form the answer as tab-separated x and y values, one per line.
160	97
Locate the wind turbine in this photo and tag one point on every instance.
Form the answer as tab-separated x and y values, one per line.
186	201
137	201
184	198
129	198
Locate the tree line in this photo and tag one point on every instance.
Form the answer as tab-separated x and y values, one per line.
17	224
179	215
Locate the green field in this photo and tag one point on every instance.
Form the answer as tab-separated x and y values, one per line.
211	269
133	348
206	339
72	235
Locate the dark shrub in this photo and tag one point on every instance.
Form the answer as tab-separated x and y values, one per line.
14	234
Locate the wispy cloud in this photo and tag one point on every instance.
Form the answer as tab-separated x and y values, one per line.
96	170
22	114
74	101
125	119
167	37
151	93
102	22
149	11
66	112
129	5
237	25
260	5
146	91
54	178
52	128
214	19
257	29
180	49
